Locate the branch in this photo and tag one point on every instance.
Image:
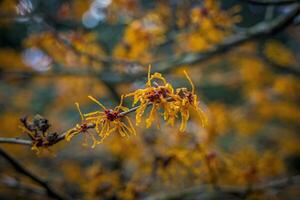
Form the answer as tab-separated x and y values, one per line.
21	169
277	68
113	91
41	20
16	184
271	2
15	141
61	136
105	76
64	40
258	31
229	191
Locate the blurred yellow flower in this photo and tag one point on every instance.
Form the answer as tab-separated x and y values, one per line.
279	54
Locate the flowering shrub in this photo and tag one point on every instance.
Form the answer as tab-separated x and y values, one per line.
215	117
108	121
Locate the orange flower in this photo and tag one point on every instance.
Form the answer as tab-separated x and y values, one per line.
82	128
162	96
154	94
185	100
110	120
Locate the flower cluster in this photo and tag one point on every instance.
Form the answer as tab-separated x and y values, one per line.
104	122
161	95
158	94
206	17
110	120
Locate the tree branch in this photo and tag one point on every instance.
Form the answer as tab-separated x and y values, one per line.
61	136
231	191
21	169
15	141
280	69
13	183
271	2
260	30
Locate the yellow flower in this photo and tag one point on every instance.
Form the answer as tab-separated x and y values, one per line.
279	53
82	128
162	96
156	95
185	100
110	120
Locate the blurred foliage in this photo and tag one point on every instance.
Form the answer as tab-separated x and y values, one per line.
55	53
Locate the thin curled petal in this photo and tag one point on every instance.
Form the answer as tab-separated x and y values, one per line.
97	102
92	113
78	108
151	117
130	125
70	134
190	80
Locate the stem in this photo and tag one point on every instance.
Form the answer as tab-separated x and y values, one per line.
15	141
271	2
61	136
21	169
255	32
195	192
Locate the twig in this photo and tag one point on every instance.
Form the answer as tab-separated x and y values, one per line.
113	91
260	30
194	192
74	49
15	141
277	68
16	184
271	2
21	169
257	31
61	136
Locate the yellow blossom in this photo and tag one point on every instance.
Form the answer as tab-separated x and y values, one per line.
154	94
279	54
81	128
110	120
188	99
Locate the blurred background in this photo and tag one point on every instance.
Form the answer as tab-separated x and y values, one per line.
243	57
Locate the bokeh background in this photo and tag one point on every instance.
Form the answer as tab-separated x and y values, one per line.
55	53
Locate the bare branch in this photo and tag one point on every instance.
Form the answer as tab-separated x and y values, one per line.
260	30
271	2
15	141
231	191
13	183
21	169
61	136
